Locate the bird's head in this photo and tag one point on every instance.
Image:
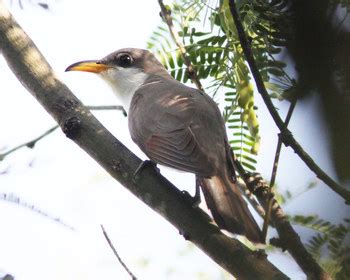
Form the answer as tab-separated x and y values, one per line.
124	70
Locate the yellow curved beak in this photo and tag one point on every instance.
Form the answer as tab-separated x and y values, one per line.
92	66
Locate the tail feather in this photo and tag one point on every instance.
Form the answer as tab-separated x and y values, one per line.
228	208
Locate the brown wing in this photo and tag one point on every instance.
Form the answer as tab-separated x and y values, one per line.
178	149
178	127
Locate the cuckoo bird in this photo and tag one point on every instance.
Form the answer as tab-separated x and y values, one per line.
179	127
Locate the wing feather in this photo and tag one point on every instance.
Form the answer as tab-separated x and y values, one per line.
177	149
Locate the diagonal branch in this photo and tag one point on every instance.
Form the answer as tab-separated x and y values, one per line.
289	239
76	121
286	135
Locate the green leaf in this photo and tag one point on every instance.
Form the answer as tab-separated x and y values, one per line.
248	166
179	75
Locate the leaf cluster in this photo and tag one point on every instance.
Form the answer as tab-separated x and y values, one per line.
330	245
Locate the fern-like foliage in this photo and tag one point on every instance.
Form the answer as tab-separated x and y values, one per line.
211	41
330	245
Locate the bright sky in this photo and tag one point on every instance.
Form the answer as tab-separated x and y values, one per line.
60	179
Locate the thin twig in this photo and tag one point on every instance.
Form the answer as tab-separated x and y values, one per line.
274	171
13	198
279	144
133	277
166	15
286	135
31	143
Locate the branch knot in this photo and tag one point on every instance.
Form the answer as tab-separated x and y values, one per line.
286	137
72	127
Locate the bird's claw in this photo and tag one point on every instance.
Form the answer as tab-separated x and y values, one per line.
193	200
142	166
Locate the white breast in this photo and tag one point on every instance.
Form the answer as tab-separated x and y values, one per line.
124	82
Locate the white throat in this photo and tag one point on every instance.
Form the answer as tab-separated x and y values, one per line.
124	82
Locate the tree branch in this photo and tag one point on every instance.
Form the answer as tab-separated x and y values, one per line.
84	129
133	277
289	239
286	135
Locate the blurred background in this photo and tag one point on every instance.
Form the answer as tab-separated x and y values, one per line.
75	195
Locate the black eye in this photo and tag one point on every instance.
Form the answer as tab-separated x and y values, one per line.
124	60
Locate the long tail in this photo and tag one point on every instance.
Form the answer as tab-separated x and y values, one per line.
228	208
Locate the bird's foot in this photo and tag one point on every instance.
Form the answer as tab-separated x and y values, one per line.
193	200
142	166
